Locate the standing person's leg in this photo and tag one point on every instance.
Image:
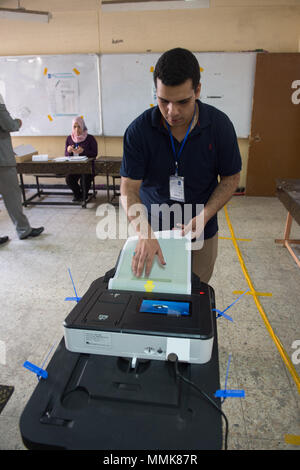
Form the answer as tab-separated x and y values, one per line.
11	193
203	260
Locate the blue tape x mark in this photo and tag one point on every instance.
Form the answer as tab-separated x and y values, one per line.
229	392
222	313
73	298
37	370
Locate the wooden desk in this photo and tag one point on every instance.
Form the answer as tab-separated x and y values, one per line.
288	192
52	167
109	166
106	166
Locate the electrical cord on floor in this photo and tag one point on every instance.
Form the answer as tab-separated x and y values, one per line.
173	358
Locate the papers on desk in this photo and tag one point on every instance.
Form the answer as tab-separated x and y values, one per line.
39	158
173	278
23	153
22	150
77	158
61	159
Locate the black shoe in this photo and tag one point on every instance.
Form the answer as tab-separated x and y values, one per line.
3	240
77	199
35	232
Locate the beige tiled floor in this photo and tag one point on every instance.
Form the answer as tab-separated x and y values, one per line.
35	281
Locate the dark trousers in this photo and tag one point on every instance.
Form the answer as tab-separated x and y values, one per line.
76	182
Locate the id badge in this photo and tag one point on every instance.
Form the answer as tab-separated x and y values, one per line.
177	188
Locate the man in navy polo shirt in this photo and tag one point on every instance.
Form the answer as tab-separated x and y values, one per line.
180	152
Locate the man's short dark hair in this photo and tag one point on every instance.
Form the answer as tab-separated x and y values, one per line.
176	66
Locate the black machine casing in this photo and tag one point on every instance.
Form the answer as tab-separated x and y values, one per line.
100	402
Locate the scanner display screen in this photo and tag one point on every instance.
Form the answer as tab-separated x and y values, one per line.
165	307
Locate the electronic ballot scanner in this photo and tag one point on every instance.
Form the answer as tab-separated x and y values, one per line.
125	316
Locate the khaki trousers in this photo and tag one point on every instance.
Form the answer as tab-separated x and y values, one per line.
203	260
11	193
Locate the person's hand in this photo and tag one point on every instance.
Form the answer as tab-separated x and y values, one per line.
143	257
20	122
195	227
70	148
77	150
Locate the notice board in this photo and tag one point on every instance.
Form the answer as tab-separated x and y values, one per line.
48	91
127	87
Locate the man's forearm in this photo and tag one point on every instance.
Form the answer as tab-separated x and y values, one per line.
135	211
128	199
221	195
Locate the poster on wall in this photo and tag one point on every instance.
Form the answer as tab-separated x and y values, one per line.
63	94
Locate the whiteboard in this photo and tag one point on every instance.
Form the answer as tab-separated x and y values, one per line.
127	88
48	91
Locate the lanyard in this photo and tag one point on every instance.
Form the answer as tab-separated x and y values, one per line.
183	142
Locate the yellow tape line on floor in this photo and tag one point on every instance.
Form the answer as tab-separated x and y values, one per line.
292	439
239	239
260	294
276	340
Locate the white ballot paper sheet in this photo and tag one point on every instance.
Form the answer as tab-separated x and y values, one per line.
174	277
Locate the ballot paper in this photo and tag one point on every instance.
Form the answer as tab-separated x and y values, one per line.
78	158
61	159
173	278
81	158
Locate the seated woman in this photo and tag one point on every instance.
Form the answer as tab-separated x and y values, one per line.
80	143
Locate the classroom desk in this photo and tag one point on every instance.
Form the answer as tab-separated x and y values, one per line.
54	168
110	167
288	192
106	166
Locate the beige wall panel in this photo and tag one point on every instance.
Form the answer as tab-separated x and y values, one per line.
66	33
214	29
